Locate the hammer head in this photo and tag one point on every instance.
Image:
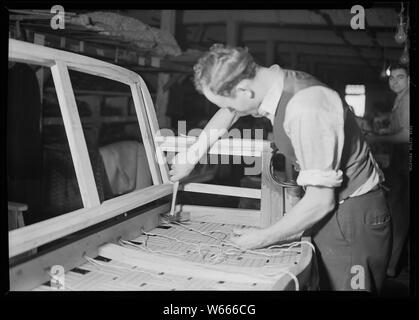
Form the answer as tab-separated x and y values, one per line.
179	216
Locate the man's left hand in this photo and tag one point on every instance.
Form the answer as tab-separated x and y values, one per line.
249	238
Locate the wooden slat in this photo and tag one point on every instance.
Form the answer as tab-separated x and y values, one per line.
75	136
272	202
305	271
88	120
81	92
188	268
248	217
223	190
40	55
31	274
146	133
154	126
162	99
243	147
37	234
167	23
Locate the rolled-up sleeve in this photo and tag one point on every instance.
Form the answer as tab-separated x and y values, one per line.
314	123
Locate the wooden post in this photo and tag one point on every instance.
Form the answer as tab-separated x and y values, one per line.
144	108
167	23
75	136
270	52
232	35
272	200
40	39
312	67
294	57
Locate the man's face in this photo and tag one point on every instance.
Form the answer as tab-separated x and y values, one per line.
398	80
243	102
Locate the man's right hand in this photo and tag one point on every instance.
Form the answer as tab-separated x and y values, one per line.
180	167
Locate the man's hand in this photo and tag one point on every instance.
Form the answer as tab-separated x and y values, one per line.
249	238
314	206
257	238
180	167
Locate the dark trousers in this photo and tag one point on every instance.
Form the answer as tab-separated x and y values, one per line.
354	244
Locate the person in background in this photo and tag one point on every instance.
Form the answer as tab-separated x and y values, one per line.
397	178
343	205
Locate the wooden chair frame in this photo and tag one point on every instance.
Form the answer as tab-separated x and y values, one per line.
60	62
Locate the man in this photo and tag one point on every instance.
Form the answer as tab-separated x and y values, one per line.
343	203
397	177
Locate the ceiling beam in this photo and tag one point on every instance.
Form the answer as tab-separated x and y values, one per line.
266	48
355	37
345	72
288	26
338	60
262	43
310	27
341	17
343	51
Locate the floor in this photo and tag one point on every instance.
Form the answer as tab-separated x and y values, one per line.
397	286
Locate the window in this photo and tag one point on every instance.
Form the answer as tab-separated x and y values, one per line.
113	135
355	97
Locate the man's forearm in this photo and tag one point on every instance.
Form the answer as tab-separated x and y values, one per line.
216	127
309	210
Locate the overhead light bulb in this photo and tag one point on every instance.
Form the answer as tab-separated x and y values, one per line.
404	59
401	35
388	71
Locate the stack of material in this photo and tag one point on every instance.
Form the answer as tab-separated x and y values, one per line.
160	42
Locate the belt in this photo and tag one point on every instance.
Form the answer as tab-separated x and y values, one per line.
378	186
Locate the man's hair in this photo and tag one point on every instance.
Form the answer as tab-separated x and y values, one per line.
222	68
405	67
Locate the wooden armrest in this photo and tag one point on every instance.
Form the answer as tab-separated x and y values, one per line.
15	206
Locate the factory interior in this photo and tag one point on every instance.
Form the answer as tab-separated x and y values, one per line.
351	52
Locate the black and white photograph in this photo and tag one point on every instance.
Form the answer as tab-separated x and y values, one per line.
205	150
